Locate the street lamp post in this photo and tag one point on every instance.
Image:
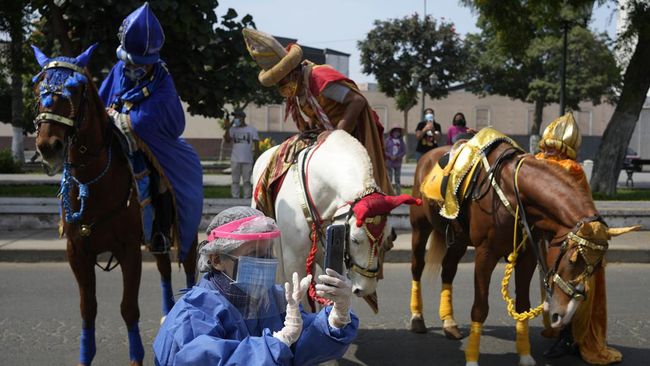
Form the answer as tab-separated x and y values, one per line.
563	69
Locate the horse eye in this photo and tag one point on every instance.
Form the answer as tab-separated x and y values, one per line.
354	240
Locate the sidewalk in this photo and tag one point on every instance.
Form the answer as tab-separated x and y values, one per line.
44	245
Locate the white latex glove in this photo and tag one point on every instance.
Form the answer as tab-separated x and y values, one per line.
337	288
293	321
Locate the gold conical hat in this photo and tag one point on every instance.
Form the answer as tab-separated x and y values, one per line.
268	53
563	135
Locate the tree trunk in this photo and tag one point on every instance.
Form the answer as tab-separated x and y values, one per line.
60	28
406	130
16	56
537	124
609	160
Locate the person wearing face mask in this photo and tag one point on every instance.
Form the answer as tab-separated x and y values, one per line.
245	140
140	96
427	133
318	97
394	153
236	315
458	129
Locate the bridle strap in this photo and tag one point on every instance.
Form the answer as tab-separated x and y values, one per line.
54	117
65	65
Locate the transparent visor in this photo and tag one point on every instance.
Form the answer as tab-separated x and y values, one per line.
256	270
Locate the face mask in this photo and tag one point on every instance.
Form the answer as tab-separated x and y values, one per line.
255	276
428	117
135	73
396	135
236	122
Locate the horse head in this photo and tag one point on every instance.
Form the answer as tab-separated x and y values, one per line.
61	88
369	234
581	253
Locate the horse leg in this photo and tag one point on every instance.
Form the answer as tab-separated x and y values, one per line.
165	268
189	265
131	264
83	267
421	232
446	310
483	266
524	270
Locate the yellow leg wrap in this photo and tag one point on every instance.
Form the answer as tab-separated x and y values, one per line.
446	309
473	342
523	342
416	298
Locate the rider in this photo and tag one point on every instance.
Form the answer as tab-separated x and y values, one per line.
139	93
326	97
588	329
236	315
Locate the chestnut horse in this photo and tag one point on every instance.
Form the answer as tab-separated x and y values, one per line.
546	199
74	133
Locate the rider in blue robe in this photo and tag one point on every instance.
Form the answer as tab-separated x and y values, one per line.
140	87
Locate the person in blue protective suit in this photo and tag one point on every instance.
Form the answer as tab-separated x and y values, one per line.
140	95
236	315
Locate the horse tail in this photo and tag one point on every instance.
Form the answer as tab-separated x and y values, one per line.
435	254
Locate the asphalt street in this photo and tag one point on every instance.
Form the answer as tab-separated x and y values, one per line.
40	322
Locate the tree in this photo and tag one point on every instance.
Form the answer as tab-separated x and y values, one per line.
407	53
532	75
502	16
205	54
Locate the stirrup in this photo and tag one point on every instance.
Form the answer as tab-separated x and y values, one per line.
160	244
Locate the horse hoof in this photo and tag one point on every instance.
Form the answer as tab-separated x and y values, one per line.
417	324
453	333
135	363
526	360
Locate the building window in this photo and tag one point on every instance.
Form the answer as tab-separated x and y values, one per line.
482	117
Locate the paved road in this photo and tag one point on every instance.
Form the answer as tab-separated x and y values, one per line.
39	319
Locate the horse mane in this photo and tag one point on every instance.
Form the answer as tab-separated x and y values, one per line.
348	152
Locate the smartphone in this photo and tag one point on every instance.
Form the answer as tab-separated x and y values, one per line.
335	236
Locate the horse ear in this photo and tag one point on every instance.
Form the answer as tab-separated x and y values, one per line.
616	231
84	57
40	56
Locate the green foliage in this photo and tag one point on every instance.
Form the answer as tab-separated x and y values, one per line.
404	54
205	52
7	163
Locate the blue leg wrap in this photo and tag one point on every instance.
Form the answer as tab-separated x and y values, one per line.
136	351
87	349
167	296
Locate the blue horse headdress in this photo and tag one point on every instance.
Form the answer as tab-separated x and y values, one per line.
61	73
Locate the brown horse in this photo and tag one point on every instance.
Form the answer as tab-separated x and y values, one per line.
74	133
549	201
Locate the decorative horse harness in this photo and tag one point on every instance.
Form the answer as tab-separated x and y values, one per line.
74	123
315	222
591	252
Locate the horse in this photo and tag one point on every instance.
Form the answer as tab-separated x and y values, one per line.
512	193
332	182
100	205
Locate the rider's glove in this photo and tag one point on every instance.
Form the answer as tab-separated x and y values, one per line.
293	320
337	288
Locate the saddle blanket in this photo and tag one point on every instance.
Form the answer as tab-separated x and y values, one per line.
447	183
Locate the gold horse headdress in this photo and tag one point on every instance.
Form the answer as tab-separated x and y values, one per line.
268	53
563	135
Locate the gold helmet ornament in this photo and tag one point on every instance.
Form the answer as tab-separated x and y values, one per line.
562	135
275	61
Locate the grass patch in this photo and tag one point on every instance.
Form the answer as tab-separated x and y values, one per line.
625	194
216	192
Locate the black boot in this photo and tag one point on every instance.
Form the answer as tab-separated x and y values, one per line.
563	346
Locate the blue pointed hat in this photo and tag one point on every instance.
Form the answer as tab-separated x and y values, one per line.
141	37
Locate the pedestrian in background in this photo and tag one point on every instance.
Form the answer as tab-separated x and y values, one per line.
458	129
427	133
395	150
244	140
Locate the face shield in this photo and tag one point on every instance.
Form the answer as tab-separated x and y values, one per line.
253	264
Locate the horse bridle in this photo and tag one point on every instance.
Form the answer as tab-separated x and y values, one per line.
313	217
592	253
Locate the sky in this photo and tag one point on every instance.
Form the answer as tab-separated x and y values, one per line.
339	24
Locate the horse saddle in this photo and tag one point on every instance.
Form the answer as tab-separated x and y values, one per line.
448	183
268	186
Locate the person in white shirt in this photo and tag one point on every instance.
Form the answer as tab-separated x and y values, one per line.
244	140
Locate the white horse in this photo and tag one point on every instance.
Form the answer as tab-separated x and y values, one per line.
338	177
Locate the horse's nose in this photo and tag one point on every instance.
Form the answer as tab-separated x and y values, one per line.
357	291
53	146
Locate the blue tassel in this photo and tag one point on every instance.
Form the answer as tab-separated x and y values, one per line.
87	349
47	100
167	296
136	350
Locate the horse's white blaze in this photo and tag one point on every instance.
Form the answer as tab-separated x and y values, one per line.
338	173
